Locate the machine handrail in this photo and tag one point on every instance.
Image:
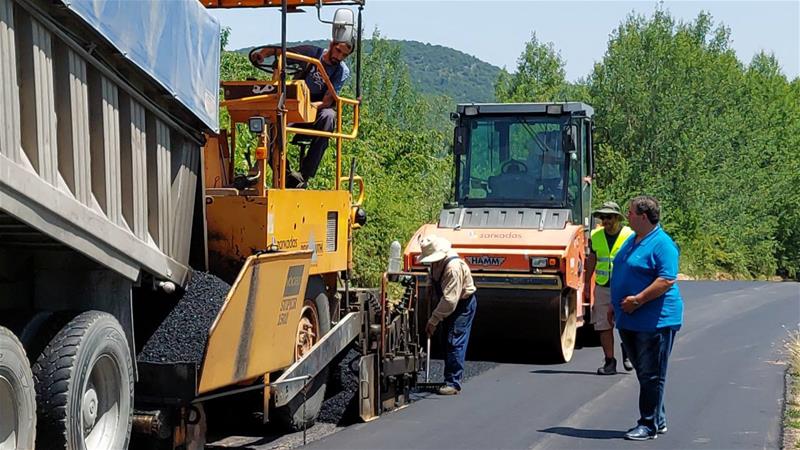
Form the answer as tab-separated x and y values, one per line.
338	134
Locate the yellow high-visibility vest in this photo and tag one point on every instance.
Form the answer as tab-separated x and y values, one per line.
605	257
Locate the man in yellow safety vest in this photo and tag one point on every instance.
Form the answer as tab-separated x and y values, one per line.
606	241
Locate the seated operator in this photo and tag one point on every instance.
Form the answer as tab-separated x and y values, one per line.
545	161
332	60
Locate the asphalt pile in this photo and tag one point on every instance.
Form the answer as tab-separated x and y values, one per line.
182	336
340	408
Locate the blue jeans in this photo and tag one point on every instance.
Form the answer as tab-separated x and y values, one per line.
457	327
649	353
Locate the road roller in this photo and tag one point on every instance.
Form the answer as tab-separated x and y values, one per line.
520	218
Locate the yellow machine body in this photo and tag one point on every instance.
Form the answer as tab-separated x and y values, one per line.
266	239
254	333
286	219
245	99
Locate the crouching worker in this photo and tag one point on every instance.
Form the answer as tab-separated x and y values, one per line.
453	287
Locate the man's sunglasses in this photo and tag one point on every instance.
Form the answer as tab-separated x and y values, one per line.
605	216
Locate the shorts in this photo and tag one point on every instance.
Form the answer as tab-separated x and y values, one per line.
602	303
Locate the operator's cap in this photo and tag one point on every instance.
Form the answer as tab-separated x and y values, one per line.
608	208
434	248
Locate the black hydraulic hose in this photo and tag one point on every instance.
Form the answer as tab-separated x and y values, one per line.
280	145
352	174
284	10
358	56
349	236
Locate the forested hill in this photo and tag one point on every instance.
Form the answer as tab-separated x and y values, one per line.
439	70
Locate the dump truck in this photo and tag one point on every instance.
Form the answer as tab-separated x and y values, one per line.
520	218
143	272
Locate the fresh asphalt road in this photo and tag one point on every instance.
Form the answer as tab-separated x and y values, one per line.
724	389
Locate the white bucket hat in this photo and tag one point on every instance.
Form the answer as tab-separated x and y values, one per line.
434	249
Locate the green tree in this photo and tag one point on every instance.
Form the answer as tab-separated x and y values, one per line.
689	123
540	75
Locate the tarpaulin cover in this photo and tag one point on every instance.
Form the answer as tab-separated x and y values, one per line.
175	41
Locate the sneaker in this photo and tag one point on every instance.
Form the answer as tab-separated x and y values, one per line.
448	390
640	433
661	430
610	367
626	363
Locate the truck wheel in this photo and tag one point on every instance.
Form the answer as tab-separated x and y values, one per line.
41	329
315	321
17	395
84	386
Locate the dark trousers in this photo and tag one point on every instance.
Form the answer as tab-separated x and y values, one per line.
326	121
649	353
456	328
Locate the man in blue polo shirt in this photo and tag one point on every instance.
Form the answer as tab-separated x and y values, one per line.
648	309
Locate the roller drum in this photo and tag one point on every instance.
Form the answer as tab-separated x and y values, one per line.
521	326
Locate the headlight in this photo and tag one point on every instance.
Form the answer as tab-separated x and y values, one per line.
256	124
538	262
541	262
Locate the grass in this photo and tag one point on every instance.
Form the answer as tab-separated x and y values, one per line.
791	415
793	351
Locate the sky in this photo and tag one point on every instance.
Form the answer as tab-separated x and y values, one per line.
496	31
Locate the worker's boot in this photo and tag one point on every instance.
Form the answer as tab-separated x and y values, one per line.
294	180
609	368
448	390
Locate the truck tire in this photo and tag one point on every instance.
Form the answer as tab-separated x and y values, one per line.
302	411
17	395
84	386
41	329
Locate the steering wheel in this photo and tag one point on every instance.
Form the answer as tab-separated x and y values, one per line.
513	166
269	62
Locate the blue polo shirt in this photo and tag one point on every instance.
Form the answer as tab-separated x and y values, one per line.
636	266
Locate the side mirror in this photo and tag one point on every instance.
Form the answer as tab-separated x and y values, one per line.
569	138
459	147
343	21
